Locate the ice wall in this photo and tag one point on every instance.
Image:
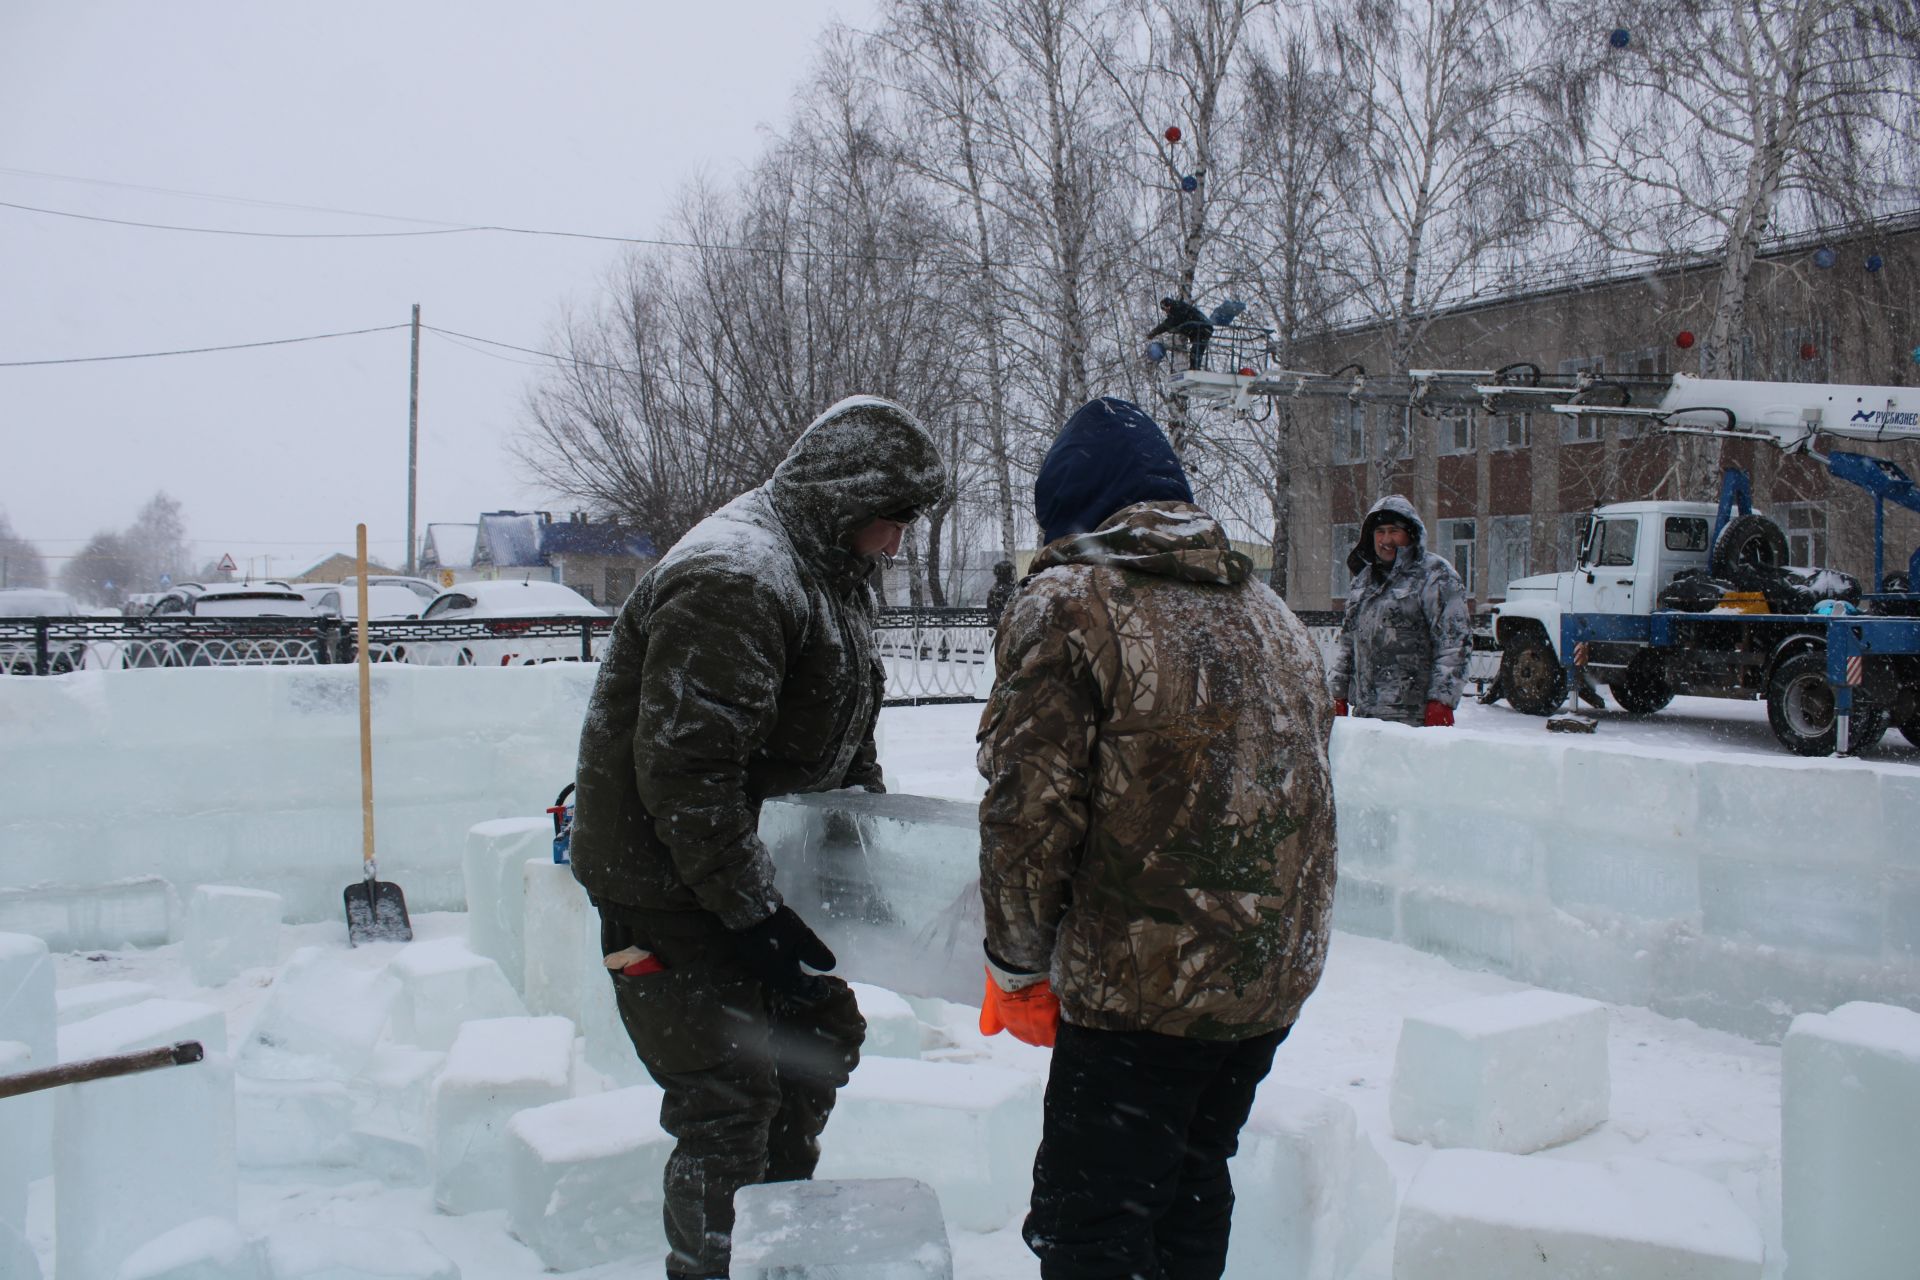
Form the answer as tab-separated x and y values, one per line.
1733	890
251	776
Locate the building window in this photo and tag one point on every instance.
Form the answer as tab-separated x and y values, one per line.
1508	431
1456	544
1806	526
1509	544
1344	538
1582	428
1456	434
1349	433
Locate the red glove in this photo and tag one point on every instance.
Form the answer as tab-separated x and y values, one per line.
1439	716
1031	1013
1339	706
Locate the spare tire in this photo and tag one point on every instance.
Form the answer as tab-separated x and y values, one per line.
1750	552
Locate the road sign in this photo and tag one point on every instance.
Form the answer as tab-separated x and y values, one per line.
226	564
446	577
166	579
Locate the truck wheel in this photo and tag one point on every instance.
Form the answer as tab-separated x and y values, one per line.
1750	552
1643	690
1800	708
1535	681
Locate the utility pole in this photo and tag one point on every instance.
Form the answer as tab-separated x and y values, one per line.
413	446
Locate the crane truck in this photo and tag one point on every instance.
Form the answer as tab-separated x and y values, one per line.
1672	597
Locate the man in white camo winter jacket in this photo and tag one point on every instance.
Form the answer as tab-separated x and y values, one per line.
1405	636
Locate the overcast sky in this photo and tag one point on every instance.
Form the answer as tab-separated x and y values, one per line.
585	115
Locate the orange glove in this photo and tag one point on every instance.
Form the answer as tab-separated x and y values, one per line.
1031	1013
1339	706
1439	716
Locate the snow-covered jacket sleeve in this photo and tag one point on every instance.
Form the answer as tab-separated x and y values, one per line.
865	771
1444	601
1340	679
1036	740
708	701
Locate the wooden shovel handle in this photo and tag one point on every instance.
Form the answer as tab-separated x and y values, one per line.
366	699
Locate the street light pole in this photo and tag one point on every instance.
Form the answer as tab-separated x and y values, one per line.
413	446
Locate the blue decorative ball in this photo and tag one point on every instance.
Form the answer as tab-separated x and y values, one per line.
1156	351
1916	355
1619	39
1874	263
1189	183
1824	257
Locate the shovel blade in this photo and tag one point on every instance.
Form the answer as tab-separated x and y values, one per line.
377	912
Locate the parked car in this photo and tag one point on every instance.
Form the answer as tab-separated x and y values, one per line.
272	599
419	586
504	609
236	600
385	599
17	656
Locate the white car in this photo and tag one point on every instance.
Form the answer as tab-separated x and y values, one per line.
385	599
420	587
502	609
18	654
274	599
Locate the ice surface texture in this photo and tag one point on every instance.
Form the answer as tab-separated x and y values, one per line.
17	1259
230	929
1731	890
868	1229
204	1249
321	1019
27	1015
490	869
497	1066
1311	1193
1476	1215
566	975
1850	1150
17	1150
1513	1072
969	1129
585	1178
114	1195
443	984
365	1253
893	1029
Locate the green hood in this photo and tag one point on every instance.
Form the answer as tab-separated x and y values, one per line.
862	458
1165	537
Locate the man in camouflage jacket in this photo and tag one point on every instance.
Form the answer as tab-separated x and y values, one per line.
743	666
1157	847
1405	636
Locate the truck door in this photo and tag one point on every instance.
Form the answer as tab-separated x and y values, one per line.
1605	582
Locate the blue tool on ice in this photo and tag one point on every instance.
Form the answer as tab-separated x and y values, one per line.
562	825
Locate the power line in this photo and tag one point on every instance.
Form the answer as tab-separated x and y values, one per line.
194	351
208	195
230	231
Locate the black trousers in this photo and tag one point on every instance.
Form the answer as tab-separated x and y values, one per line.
1131	1179
750	1079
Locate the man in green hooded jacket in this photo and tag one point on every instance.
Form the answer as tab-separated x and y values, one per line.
743	666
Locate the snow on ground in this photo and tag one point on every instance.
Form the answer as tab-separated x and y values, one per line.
1704	1100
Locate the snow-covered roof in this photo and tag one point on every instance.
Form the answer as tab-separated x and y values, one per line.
578	538
510	539
451	546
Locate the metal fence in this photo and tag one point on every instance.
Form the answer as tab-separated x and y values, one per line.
930	655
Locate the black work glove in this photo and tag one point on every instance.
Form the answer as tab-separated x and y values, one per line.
774	949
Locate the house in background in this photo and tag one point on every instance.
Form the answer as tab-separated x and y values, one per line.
600	560
337	568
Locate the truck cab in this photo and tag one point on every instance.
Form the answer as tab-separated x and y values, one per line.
1629	552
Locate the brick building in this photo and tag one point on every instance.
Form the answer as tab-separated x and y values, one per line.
1504	496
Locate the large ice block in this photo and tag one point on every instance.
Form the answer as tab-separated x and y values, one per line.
1475	1215
1514	1072
321	1251
117	1191
1850	1149
893	1029
443	984
204	1249
147	1025
17	1152
585	1178
293	1122
1311	1193
891	882
982	1121
866	1229
496	888
497	1066
27	1015
134	912
75	1003
230	929
566	975
321	1019
396	1087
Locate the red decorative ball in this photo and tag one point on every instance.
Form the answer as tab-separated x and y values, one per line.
1247	372
1683	339
1173	133
1808	351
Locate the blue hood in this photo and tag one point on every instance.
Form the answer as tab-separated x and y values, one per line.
1109	455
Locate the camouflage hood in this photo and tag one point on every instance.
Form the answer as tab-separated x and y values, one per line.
1393	506
1167	538
862	458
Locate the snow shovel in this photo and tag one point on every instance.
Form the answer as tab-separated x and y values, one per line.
376	909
